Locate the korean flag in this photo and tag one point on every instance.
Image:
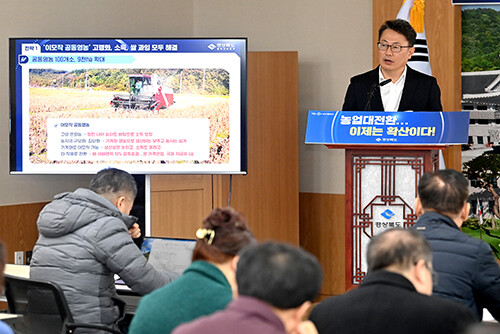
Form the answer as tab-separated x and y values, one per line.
413	11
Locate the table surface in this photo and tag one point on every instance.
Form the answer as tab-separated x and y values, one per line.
7	316
19	270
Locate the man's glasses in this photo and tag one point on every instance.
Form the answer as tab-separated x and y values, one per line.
396	48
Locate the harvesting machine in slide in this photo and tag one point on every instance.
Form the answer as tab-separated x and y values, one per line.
143	95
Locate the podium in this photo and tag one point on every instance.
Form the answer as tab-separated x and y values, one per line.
386	153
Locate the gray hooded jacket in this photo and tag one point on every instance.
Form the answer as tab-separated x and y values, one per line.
83	241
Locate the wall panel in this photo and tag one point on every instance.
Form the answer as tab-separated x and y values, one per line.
269	194
322	232
179	203
18	229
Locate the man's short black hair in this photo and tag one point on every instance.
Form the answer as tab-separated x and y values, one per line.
281	275
113	181
398	247
443	191
402	27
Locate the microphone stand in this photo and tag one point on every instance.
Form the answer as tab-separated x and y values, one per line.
372	91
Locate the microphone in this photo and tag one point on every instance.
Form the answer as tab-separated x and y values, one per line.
385	82
371	93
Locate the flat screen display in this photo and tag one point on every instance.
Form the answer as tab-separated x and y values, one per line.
148	106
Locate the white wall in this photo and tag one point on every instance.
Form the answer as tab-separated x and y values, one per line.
71	18
333	38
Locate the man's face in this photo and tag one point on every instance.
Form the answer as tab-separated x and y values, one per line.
392	62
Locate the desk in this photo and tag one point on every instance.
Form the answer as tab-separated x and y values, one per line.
10	318
19	270
124	292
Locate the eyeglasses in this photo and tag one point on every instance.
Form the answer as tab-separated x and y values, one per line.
396	48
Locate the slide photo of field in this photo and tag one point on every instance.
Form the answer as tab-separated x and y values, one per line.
130	93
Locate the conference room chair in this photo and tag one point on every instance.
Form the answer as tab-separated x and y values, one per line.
43	307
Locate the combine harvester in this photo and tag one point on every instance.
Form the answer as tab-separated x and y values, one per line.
143	95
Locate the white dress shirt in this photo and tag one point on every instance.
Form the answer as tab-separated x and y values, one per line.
391	93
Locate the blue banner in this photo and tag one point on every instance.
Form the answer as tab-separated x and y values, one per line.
400	128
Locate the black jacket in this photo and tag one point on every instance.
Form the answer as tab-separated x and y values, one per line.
420	93
388	303
468	271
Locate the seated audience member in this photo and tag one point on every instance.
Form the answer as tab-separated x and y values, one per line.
85	237
468	270
4	328
207	285
395	296
276	285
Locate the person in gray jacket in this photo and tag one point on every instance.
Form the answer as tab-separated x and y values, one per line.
85	237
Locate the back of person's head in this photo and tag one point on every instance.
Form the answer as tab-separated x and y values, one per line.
443	191
113	182
399	248
281	275
402	27
224	233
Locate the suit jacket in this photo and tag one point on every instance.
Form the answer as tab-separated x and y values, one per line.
388	303
420	93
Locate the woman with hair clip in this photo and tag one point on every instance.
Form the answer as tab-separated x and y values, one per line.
207	285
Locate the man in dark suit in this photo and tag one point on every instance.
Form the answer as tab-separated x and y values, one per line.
393	86
395	296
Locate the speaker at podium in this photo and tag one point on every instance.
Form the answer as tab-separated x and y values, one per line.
386	153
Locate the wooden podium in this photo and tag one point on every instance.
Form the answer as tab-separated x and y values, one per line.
380	189
386	154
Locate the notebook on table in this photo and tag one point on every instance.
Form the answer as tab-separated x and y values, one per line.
165	254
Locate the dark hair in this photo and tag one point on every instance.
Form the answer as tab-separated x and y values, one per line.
400	247
278	274
444	191
113	181
402	27
231	234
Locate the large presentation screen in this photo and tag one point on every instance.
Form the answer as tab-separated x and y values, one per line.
148	106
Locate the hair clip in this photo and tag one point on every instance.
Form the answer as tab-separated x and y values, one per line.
207	234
